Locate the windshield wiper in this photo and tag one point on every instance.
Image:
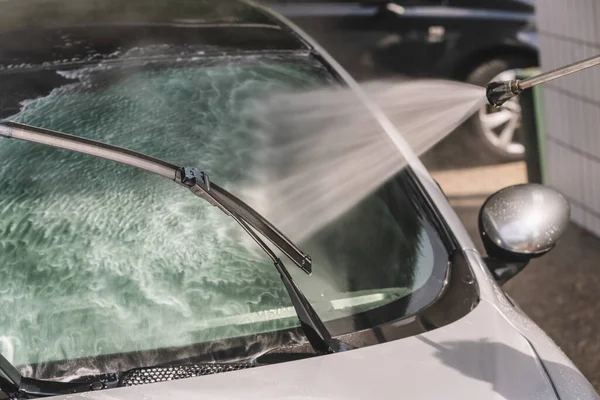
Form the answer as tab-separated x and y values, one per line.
198	183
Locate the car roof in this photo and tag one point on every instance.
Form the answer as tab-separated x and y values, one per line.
46	13
37	31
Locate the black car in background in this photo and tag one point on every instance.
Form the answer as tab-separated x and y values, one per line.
468	40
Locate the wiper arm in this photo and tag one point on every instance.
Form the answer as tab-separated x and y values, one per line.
314	328
14	385
199	184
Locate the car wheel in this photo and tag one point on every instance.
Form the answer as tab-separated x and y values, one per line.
496	133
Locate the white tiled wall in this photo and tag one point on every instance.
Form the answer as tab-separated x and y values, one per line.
569	30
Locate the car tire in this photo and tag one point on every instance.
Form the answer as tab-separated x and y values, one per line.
485	139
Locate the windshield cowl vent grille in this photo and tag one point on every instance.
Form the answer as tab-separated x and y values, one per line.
142	376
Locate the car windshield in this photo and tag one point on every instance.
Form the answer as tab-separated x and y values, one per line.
104	259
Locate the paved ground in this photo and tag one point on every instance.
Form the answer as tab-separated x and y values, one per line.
561	291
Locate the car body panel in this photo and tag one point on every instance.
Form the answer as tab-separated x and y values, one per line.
480	356
568	381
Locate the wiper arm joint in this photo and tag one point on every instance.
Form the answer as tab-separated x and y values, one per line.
191	176
199	183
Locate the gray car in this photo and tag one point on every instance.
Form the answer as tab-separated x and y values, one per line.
119	283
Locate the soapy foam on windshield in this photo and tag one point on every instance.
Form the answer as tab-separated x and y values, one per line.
103	263
100	258
322	151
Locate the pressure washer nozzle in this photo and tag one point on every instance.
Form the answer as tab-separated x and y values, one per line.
498	93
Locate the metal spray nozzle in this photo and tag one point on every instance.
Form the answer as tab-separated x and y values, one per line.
498	93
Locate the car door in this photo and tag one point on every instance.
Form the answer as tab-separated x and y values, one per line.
441	38
370	38
418	37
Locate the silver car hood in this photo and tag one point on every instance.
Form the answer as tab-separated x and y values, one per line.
480	356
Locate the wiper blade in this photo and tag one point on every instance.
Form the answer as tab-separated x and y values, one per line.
199	184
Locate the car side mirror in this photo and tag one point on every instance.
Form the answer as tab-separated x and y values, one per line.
519	223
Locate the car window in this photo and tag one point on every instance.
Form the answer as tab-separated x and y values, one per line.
100	258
